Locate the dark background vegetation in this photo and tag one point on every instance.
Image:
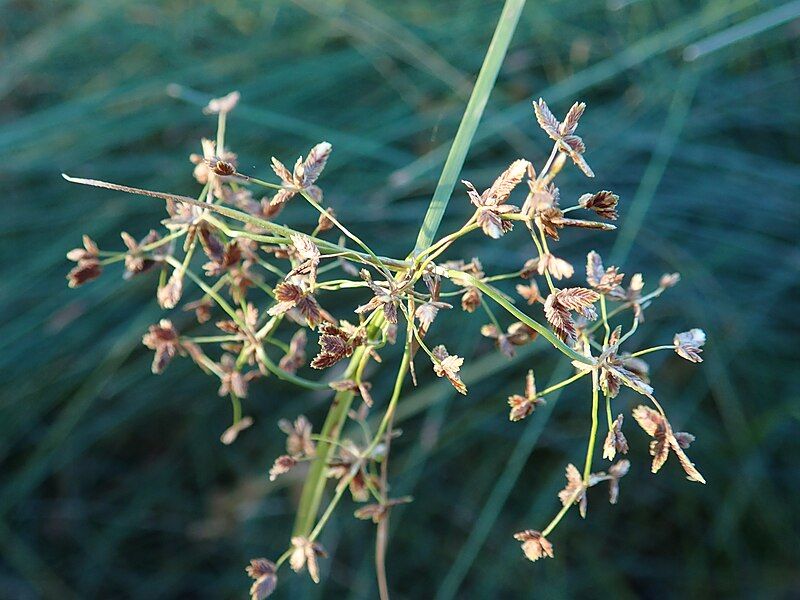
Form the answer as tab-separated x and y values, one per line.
114	482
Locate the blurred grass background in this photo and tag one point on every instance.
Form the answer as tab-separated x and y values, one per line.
114	483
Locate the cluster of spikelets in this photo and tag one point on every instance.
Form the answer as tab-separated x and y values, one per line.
263	288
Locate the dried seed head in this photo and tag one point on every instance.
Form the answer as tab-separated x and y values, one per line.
305	554
163	338
689	344
530	292
604	203
298	440
231	433
170	293
448	366
656	425
534	544
615	440
283	464
471	299
225	104
669	280
265	574
221	167
575	490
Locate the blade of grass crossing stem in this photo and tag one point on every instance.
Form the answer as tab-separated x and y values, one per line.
469	122
314	487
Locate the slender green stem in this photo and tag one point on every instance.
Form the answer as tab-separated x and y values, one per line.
562	384
564	509
587	467
518	314
653	349
604	315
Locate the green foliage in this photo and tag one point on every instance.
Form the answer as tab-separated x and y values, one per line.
114	483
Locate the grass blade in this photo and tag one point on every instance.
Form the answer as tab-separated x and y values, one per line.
469	122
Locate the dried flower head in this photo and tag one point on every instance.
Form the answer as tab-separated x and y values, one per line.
265	574
564	133
298	437
560	304
534	544
305	554
88	266
615	440
164	339
231	433
530	293
295	357
283	464
604	203
491	204
656	425
303	176
446	365
605	281
225	104
575	490
522	406
689	344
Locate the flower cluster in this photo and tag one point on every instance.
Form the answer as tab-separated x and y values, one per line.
262	289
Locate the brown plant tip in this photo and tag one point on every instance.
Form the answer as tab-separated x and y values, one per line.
335	344
232	380
169	295
605	281
225	104
604	203
296	296
446	365
523	405
378	512
283	464
575	490
163	338
303	176
615	440
231	433
471	299
656	425
517	334
221	167
689	344
88	267
564	133
491	203
559	304
295	357
534	544
305	554
298	437
548	263
530	293
264	573
669	280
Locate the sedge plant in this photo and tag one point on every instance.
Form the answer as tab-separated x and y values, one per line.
263	288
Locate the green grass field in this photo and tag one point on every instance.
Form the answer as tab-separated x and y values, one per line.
113	482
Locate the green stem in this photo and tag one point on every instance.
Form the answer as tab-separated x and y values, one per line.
587	468
519	315
562	384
